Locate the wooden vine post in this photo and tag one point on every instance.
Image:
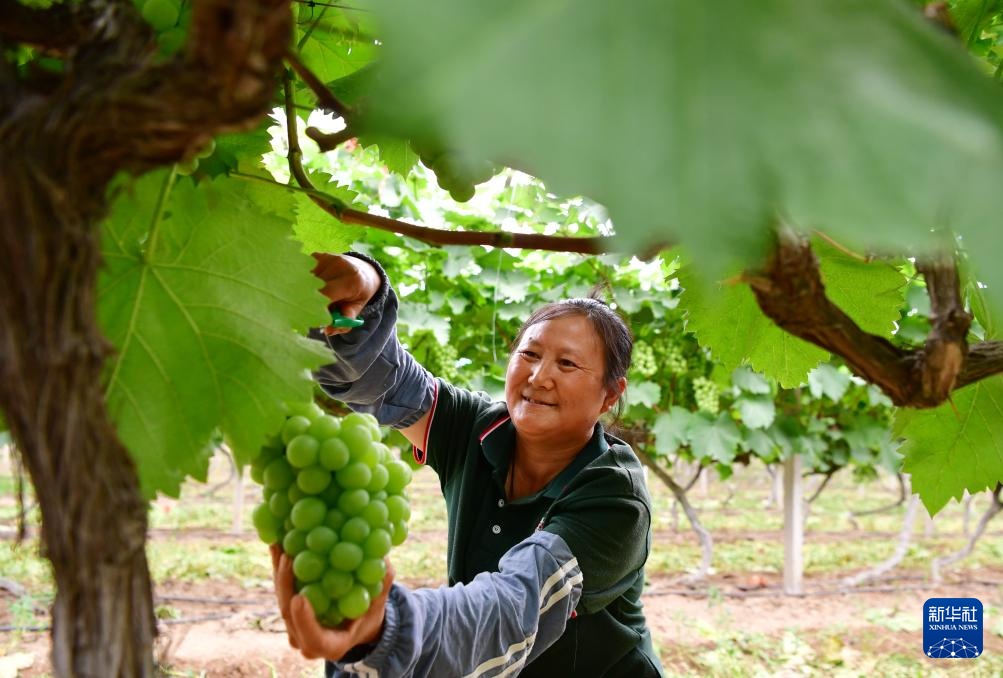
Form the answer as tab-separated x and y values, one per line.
793	526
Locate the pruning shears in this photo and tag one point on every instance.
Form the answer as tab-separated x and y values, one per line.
341	322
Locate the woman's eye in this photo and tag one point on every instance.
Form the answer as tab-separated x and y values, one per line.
564	362
529	354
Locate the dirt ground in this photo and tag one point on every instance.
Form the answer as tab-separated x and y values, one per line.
227	630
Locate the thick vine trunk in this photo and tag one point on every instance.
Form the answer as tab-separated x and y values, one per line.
63	138
51	357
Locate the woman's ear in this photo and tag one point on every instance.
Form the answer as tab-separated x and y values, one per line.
614	394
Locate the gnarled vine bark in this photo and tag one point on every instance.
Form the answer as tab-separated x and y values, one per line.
117	107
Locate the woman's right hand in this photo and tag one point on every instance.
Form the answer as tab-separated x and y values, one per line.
349	282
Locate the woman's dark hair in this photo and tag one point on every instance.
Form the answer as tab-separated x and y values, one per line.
617	341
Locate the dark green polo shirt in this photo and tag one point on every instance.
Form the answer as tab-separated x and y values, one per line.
598	504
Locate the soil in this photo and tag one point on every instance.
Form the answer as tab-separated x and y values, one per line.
249	638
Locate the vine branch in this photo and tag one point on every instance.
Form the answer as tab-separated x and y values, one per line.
57	27
425	234
325	97
790	291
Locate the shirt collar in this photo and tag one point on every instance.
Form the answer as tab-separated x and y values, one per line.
498	441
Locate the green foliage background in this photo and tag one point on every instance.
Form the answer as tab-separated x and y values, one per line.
700	124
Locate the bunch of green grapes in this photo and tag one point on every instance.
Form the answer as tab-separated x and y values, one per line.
672	356
335	500
643	359
455	172
441	360
707	395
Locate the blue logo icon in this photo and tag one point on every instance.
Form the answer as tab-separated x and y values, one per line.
952	628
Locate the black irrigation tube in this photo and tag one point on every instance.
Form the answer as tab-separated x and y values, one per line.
778	593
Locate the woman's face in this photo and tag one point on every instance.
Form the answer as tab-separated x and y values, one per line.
554	383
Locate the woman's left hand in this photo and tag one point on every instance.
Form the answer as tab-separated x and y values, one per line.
306	634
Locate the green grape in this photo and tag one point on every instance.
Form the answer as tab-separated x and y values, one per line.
324	427
266	524
308	513
207	150
334	519
308	410
361	419
707	395
377	544
345	556
278	474
398	533
172	40
382	453
302	451
337	583
294	426
313	480
462	193
398	508
380	477
280	505
354	476
186	168
400	476
371	571
381	495
161	14
330	494
643	360
355	530
332	617
334	454
356	437
353	501
294	542
308	566
376	513
319	600
287	525
368	455
321	539
375	590
295	493
257	474
354	603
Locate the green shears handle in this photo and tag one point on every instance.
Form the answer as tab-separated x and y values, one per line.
340	321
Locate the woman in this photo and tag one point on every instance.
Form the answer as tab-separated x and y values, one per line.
549	517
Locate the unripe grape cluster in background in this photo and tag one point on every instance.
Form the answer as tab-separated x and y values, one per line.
334	498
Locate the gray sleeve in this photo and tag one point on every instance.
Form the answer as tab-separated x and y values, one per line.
494	625
373	373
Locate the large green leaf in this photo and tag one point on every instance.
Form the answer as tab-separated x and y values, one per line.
871	292
728	322
955	447
203	301
827	380
715	439
671	430
695	122
317	230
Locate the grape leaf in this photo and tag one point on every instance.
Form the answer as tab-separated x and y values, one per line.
756	411
670	430
760	443
869	292
728	322
749	381
645	393
203	306
947	452
331	58
829	381
395	152
716	439
715	144
319	231
970	15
